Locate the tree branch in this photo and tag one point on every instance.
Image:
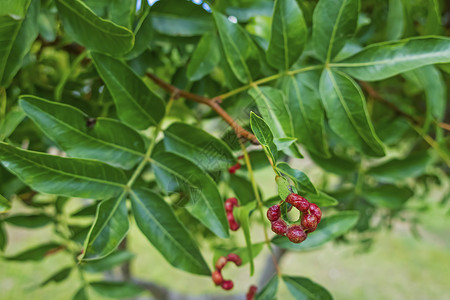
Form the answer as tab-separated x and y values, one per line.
213	103
415	120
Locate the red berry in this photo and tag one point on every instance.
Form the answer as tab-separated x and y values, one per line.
274	213
298	201
291	198
230	217
234	225
234	258
221	262
296	234
302	204
230	203
315	210
234	168
217	277
279	227
251	292
309	222
227	284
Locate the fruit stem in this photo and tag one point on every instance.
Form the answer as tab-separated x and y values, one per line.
260	205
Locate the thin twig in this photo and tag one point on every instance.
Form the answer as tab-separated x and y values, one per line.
376	96
260	206
213	103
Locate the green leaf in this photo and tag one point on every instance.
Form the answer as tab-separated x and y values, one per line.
14	117
395	23
180	18
242	188
389	196
91	31
143	34
261	130
156	219
174	173
136	104
415	164
29	221
269	291
322	199
301	179
120	12
284	187
80	294
68	127
288	35
384	60
244	10
70	177
242	252
113	289
243	217
3	238
303	288
18	30
306	111
195	144
335	164
236	45
347	114
34	254
58	276
334	22
110	227
329	228
205	57
435	90
264	135
107	263
274	110
433	24
5	205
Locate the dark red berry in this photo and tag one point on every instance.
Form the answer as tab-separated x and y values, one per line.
221	262
298	201
217	277
230	216
315	210
234	225
251	292
296	234
234	258
227	284
234	168
274	213
279	227
302	204
309	222
230	203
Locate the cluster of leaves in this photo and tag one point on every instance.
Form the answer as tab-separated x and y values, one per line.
72	79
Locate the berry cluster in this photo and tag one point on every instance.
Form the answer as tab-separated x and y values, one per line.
230	203
251	292
310	218
220	264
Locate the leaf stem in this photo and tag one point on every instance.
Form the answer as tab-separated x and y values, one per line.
260	205
62	82
2	103
445	157
267	79
149	151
